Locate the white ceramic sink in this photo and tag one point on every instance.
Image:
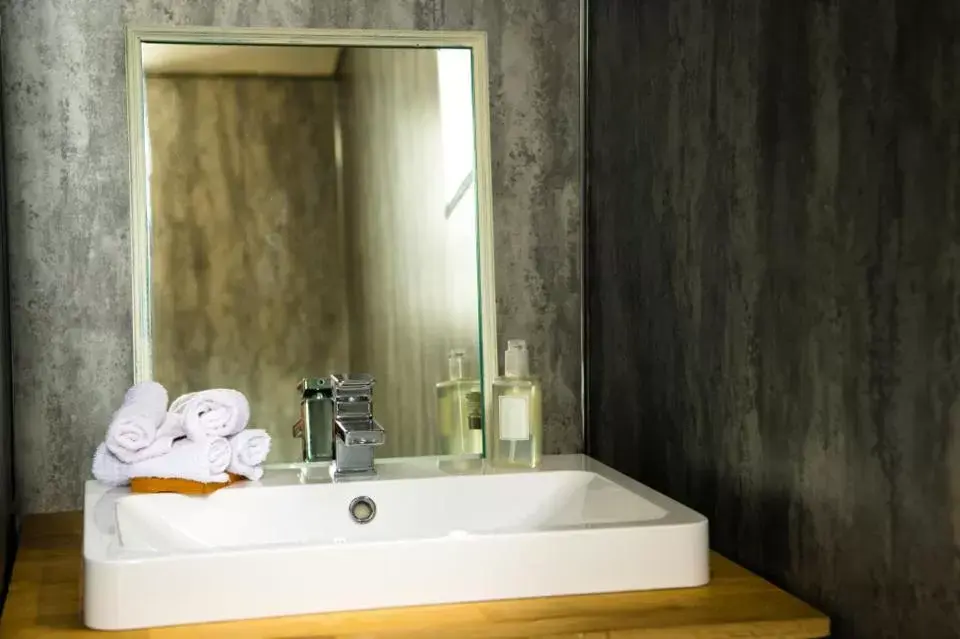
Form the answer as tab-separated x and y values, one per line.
288	545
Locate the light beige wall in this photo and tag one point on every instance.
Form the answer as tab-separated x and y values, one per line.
406	310
243	197
165	58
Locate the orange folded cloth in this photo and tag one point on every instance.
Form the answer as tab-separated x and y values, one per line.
182	486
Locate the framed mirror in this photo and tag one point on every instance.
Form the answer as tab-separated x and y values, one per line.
307	202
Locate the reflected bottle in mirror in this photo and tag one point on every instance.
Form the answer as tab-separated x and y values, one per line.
459	410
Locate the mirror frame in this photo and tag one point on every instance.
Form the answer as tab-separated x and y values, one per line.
140	222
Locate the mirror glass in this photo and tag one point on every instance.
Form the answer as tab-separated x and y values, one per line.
313	210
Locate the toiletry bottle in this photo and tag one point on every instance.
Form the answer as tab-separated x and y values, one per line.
517	430
459	410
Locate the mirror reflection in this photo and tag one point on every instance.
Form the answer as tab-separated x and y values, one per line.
313	210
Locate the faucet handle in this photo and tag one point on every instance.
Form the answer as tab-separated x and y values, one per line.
359	433
352	383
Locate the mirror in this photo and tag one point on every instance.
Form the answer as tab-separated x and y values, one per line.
312	202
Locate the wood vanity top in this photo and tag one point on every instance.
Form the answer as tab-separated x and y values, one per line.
44	601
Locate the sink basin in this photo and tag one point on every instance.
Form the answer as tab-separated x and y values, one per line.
291	544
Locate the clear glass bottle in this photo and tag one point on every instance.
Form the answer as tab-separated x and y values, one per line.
459	410
516	427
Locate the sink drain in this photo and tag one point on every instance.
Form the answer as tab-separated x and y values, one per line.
363	510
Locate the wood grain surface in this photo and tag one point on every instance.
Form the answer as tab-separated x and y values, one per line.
44	601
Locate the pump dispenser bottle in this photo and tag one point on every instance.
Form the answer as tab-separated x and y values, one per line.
517	429
459	410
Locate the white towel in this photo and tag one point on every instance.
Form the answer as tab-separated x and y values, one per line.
203	461
219	412
169	431
136	423
249	449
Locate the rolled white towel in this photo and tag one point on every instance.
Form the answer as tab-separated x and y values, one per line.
204	461
169	431
220	412
249	448
135	425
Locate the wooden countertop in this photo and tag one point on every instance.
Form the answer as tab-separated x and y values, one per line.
44	601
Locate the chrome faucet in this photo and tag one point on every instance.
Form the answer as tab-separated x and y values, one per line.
355	432
315	427
336	424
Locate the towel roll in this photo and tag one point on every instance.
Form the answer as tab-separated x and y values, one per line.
220	412
133	432
202	461
249	449
170	430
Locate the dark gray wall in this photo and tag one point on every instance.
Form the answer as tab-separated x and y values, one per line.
68	191
774	288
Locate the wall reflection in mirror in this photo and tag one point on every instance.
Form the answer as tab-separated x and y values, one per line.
312	210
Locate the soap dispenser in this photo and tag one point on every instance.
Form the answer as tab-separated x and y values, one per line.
459	410
517	429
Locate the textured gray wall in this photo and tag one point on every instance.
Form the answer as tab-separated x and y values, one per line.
67	150
774	288
6	386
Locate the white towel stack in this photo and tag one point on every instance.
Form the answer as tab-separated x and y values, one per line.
201	437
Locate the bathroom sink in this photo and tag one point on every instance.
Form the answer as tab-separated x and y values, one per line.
293	543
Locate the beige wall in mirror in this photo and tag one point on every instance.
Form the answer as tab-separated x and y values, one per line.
311	207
